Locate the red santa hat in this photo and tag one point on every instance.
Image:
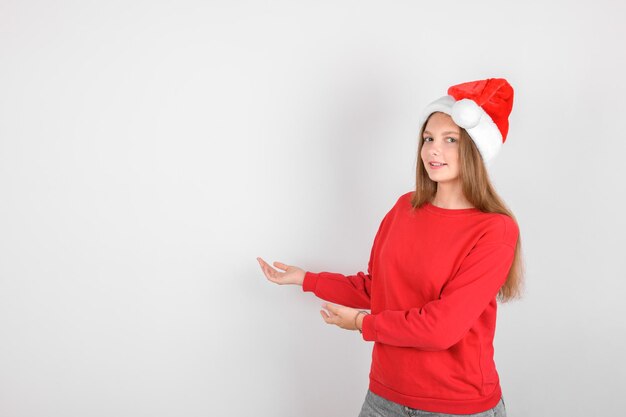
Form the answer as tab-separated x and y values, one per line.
480	107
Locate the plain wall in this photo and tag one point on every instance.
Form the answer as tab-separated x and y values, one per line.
151	150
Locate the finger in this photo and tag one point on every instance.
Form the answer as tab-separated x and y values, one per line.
268	270
270	274
326	317
281	265
330	313
262	263
332	308
263	267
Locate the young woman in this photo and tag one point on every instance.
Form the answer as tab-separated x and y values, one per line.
441	258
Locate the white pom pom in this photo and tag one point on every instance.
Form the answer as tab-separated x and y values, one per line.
466	113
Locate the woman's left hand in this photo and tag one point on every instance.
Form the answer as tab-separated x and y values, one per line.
340	316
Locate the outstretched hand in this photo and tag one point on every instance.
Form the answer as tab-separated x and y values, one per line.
342	316
292	275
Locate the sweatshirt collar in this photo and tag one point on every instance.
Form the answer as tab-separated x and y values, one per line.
449	212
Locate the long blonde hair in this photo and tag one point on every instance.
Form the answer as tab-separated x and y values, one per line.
479	191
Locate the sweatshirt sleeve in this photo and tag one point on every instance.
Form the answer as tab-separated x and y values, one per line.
347	290
441	323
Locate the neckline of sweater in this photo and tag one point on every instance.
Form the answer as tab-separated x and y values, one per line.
450	212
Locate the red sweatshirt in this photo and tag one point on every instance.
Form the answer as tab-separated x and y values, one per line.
431	285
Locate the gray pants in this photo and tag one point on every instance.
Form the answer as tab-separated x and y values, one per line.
377	406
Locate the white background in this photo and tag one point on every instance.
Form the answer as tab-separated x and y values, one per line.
151	150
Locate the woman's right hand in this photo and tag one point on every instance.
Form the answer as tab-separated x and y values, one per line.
292	275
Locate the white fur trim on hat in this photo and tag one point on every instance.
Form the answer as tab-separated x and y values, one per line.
471	117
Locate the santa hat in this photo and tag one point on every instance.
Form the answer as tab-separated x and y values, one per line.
480	107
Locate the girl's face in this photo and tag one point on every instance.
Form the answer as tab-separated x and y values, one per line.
441	144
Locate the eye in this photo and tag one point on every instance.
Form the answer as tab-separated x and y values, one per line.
427	139
452	140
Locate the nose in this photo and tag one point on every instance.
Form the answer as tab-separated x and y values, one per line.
434	148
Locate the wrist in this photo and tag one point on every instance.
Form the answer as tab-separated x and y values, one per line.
302	277
358	320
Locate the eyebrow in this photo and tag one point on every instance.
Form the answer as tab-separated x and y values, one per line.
444	133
